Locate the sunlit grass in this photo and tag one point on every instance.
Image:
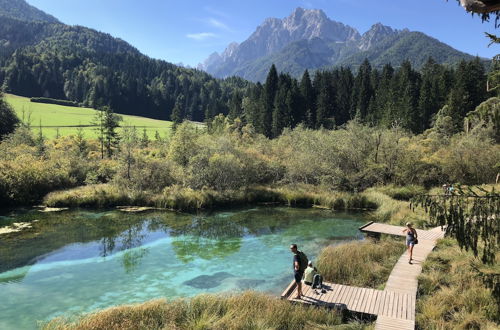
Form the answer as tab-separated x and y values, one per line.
248	310
64	120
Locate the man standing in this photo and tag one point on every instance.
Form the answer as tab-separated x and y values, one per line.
299	265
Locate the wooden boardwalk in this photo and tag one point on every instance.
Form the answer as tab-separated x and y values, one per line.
395	305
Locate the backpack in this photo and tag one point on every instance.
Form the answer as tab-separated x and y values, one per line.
303	261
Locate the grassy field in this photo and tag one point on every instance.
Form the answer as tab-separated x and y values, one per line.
67	119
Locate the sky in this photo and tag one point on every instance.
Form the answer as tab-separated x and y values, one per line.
189	31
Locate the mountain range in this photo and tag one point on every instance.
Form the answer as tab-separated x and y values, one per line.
308	39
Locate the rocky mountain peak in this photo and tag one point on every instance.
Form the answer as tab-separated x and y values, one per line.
375	34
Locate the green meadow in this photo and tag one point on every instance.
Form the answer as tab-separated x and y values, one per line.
53	118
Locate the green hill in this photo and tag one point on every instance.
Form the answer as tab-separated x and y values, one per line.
21	10
50	59
67	119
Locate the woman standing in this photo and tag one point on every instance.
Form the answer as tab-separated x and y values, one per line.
411	239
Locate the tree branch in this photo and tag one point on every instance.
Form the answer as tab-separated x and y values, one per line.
480	6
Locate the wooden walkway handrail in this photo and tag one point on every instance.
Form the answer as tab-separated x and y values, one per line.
395	305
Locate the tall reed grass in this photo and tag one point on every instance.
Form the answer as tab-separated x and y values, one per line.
187	199
364	264
455	290
248	310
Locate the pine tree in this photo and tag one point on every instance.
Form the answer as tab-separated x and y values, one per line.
110	135
362	91
343	98
8	118
270	90
325	102
144	139
307	90
178	111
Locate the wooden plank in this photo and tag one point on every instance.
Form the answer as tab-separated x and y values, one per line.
347	295
381	303
288	290
344	294
376	302
361	299
335	292
353	296
367	300
391	304
357	299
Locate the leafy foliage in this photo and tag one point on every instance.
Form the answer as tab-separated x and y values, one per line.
469	217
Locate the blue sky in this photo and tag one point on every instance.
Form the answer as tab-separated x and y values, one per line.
188	31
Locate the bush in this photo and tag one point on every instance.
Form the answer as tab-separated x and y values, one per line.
54	101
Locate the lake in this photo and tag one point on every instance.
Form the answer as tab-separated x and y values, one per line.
78	261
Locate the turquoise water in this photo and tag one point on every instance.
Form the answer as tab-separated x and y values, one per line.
79	261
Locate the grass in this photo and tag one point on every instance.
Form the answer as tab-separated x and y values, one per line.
454	292
248	310
186	199
68	119
362	264
393	211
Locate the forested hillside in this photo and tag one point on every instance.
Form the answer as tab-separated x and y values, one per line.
21	10
96	70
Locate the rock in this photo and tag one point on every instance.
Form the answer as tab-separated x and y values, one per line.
208	281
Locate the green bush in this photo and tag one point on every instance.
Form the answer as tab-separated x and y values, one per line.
54	101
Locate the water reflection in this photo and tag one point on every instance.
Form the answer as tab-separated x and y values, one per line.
83	260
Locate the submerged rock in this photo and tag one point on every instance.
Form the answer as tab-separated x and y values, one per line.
208	281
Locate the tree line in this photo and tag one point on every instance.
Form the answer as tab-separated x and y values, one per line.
390	96
96	70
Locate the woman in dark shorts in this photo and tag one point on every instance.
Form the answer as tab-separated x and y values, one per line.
411	238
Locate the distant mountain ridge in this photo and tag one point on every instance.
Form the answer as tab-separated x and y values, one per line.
21	10
308	39
41	57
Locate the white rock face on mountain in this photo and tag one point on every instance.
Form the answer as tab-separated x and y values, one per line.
274	34
308	39
377	33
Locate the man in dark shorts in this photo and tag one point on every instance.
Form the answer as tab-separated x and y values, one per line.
298	270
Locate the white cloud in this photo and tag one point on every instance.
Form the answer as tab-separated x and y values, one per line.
201	36
216	12
218	24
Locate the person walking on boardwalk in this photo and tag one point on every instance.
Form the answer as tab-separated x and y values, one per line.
299	265
411	239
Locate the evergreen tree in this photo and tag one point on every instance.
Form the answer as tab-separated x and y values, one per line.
235	107
307	90
362	92
144	139
325	102
110	135
344	89
270	90
178	110
8	118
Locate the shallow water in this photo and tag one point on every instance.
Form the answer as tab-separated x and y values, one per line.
79	261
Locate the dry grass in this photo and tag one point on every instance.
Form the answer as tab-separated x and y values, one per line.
249	310
187	199
364	264
393	211
453	293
